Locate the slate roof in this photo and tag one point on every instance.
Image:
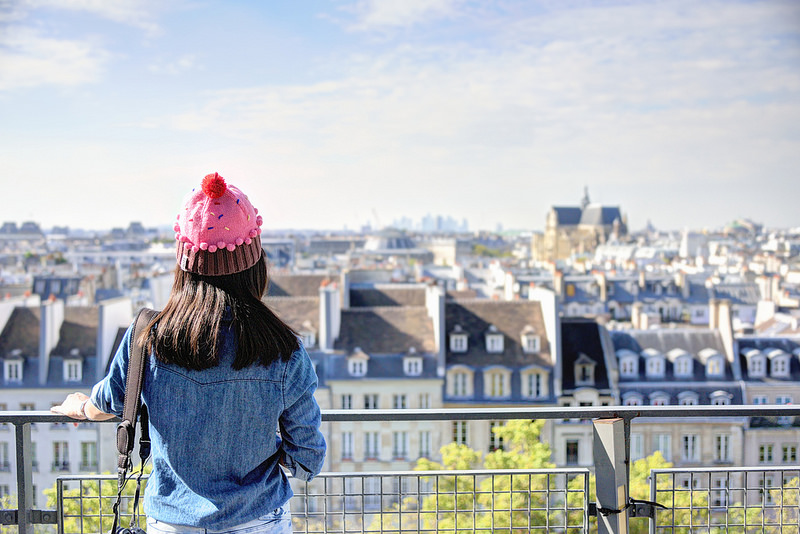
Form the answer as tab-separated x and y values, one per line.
597	215
78	331
764	344
21	332
510	318
379	366
703	392
294	311
741	294
387	330
387	296
582	337
567	215
295	285
691	340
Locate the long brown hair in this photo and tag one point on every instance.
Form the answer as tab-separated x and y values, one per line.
186	331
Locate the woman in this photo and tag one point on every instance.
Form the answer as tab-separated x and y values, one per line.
224	374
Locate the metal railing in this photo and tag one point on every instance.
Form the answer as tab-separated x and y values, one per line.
611	453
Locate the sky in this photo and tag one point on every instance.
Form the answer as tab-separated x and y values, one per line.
334	113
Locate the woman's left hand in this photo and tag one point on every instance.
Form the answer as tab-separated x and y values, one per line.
72	406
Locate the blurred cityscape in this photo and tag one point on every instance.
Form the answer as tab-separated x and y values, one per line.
426	314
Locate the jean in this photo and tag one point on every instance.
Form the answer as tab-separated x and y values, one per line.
276	522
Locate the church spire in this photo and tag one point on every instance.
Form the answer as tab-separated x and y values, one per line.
585	199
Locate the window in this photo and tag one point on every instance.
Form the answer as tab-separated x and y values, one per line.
88	456
719	497
494	340
534	384
721	398
371	446
460	432
632	399
400	445
371	401
722	448
399	402
424	401
769	495
765	453
756	364
497	384
659	399
458	340
683	366
759	399
637	446
780	367
4	462
530	341
655	367
72	370
347	401
783	399
495	439
357	366
13	370
412	366
347	445
308	338
459	384
687	398
629	365
690	451
572	451
789	454
60	456
663	444
425	444
715	366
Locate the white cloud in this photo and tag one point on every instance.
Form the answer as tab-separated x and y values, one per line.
29	59
136	13
380	14
178	66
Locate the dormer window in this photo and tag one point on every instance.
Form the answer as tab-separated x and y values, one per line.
357	363
628	363
458	340
584	370
682	363
721	398
534	383
459	381
688	398
655	363
659	398
497	382
632	398
73	367
308	334
494	340
412	364
779	363
530	341
13	369
756	364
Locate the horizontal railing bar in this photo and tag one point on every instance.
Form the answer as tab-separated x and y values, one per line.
700	469
538	412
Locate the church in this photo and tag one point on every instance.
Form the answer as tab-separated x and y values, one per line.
576	230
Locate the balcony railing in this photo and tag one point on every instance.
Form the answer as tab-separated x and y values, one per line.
460	501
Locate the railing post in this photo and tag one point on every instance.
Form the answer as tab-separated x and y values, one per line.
24	478
611	475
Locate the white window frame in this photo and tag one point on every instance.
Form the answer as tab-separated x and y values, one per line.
73	370
531	343
760	399
347	445
720	398
357	366
495	440
497	383
663	443
659	398
766	453
632	398
494	342
629	366
308	338
372	401
399	401
399	445
756	365
655	367
715	366
425	444
461	432
412	366
534	384
424	401
637	446
347	401
13	371
690	447
684	367
780	366
789	453
458	340
688	398
722	448
372	445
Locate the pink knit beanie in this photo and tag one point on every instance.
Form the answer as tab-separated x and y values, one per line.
218	230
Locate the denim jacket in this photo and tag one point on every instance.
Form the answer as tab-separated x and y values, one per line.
215	445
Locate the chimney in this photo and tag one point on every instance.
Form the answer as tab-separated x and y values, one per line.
345	289
434	302
112	314
510	286
776	287
636	315
600	276
330	316
51	319
642	281
558	282
713	313
551	315
725	326
683	283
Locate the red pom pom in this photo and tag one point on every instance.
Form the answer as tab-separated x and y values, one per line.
214	185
